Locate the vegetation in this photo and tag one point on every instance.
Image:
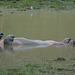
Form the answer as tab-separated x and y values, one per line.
38	4
53	67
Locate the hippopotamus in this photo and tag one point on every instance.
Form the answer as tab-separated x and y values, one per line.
1	35
11	40
11	43
22	43
67	42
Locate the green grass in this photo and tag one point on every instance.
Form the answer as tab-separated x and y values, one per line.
48	67
38	4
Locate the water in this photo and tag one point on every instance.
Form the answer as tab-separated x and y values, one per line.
37	25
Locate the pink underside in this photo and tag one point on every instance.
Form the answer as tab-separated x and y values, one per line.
51	41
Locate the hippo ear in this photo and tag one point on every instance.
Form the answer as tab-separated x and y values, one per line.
1	35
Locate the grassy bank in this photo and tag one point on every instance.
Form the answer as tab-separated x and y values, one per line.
38	4
54	67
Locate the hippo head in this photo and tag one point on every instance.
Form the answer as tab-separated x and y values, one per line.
67	40
1	35
9	39
72	42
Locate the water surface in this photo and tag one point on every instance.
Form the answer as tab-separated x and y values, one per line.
37	25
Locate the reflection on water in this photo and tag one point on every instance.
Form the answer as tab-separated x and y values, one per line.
27	44
42	25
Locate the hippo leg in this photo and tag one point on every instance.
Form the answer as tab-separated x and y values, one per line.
9	39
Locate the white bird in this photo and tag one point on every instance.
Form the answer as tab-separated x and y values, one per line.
31	7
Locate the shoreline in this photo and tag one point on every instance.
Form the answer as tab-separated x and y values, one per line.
37	4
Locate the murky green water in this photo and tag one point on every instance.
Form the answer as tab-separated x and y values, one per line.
37	25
